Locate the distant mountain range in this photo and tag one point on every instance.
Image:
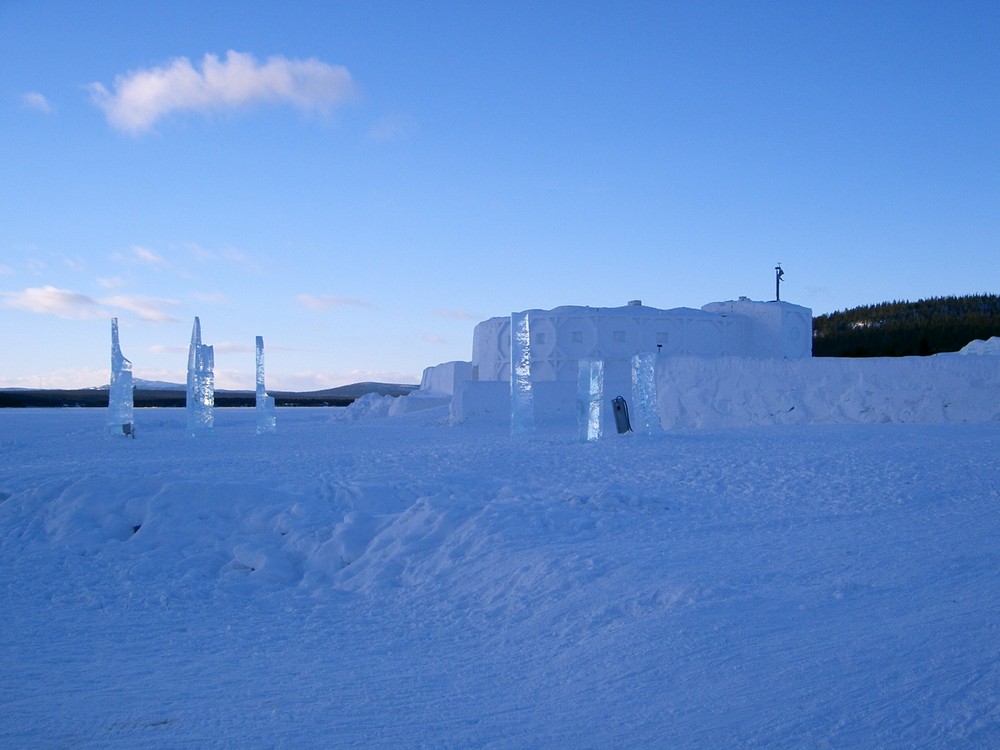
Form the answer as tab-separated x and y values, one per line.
156	393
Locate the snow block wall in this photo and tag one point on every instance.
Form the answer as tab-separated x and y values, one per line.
739	392
445	377
563	337
771	329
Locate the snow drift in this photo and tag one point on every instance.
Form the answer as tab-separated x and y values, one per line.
394	581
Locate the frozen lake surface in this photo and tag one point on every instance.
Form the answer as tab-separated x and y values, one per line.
402	583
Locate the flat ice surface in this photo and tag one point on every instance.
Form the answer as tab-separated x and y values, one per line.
381	582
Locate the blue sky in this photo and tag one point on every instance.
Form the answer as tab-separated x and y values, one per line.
360	183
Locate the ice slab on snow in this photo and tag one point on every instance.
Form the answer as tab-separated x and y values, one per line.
200	383
522	412
266	420
589	395
120	402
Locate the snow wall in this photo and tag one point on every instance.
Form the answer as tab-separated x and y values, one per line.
737	392
744	391
561	337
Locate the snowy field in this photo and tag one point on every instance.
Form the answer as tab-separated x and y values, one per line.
402	583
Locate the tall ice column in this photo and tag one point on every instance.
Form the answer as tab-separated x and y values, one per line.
589	395
522	406
200	383
266	421
644	393
120	393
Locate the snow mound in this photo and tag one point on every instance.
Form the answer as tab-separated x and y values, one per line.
369	406
990	347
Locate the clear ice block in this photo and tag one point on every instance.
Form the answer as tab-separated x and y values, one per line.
120	402
589	394
266	420
200	383
644	393
522	408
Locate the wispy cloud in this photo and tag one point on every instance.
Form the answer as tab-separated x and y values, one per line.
324	302
229	348
149	257
36	103
456	315
49	300
392	128
433	338
75	264
142	97
153	309
212	298
77	378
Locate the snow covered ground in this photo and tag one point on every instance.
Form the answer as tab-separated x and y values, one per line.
385	582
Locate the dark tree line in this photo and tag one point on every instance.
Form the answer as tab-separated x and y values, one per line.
900	329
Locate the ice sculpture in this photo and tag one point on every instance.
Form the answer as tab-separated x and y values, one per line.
522	408
644	393
589	394
266	421
200	383
120	393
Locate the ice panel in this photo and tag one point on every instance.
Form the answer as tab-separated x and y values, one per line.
266	419
590	393
200	383
120	396
522	410
644	393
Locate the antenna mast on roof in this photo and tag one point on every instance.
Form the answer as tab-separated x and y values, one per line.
778	276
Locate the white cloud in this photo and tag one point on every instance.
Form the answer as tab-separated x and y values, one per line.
148	256
153	309
433	338
48	300
79	378
63	303
142	97
36	102
111	282
323	302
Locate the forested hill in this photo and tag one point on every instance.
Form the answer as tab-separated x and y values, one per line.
898	329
